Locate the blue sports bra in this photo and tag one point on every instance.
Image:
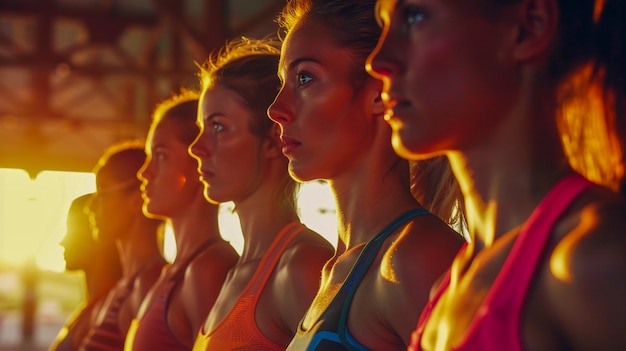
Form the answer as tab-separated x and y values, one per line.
331	332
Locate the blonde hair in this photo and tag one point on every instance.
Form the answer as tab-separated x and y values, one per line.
433	184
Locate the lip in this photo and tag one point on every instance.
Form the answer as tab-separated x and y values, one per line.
289	144
145	190
205	174
395	106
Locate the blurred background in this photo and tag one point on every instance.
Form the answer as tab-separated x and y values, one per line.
75	77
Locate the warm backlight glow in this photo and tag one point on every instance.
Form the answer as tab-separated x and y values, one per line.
33	214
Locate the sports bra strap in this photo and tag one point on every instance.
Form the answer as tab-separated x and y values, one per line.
359	269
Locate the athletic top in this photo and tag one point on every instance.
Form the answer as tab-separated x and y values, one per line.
330	332
151	331
238	330
497	324
106	335
66	339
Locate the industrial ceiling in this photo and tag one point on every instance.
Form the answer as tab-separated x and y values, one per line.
79	75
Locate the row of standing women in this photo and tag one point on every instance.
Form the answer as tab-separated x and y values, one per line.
522	102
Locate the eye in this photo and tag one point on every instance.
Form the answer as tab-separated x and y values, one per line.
159	156
303	78
217	127
412	15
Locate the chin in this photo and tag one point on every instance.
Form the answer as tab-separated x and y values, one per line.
299	173
401	145
214	198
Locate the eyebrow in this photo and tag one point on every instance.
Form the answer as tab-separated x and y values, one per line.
296	62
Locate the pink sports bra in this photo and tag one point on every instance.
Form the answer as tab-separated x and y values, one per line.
496	326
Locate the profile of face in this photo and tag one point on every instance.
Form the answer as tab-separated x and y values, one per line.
78	243
170	179
117	201
447	76
320	111
112	208
229	154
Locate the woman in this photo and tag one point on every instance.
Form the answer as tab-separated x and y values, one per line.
483	82
99	262
116	212
179	302
268	290
391	250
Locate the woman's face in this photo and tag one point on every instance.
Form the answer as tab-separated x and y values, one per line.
112	208
230	156
78	242
325	121
170	179
448	74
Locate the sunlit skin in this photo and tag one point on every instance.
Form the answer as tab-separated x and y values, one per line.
117	213
98	261
238	166
78	243
225	133
169	176
475	88
334	132
171	190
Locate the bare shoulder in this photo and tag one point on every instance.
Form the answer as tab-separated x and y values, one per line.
307	252
147	277
587	273
204	277
424	248
216	260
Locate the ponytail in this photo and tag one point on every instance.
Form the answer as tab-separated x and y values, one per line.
593	89
611	65
434	186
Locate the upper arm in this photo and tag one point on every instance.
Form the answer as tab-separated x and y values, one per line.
203	281
588	284
410	269
298	280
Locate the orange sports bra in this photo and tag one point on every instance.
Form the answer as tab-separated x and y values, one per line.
238	330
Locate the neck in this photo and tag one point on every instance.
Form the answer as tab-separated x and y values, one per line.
194	226
99	280
504	178
370	197
138	248
261	219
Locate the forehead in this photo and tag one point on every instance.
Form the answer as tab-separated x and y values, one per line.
311	39
166	129
219	100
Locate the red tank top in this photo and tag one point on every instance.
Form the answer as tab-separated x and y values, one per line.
238	330
497	324
151	330
106	334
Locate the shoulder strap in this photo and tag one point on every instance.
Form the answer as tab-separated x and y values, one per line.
363	263
271	258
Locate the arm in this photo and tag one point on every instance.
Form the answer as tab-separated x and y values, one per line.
410	268
298	279
203	281
588	283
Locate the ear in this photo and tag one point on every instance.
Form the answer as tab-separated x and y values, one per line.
538	23
374	88
273	144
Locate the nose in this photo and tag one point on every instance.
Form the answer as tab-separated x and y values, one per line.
199	147
384	62
144	172
278	110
